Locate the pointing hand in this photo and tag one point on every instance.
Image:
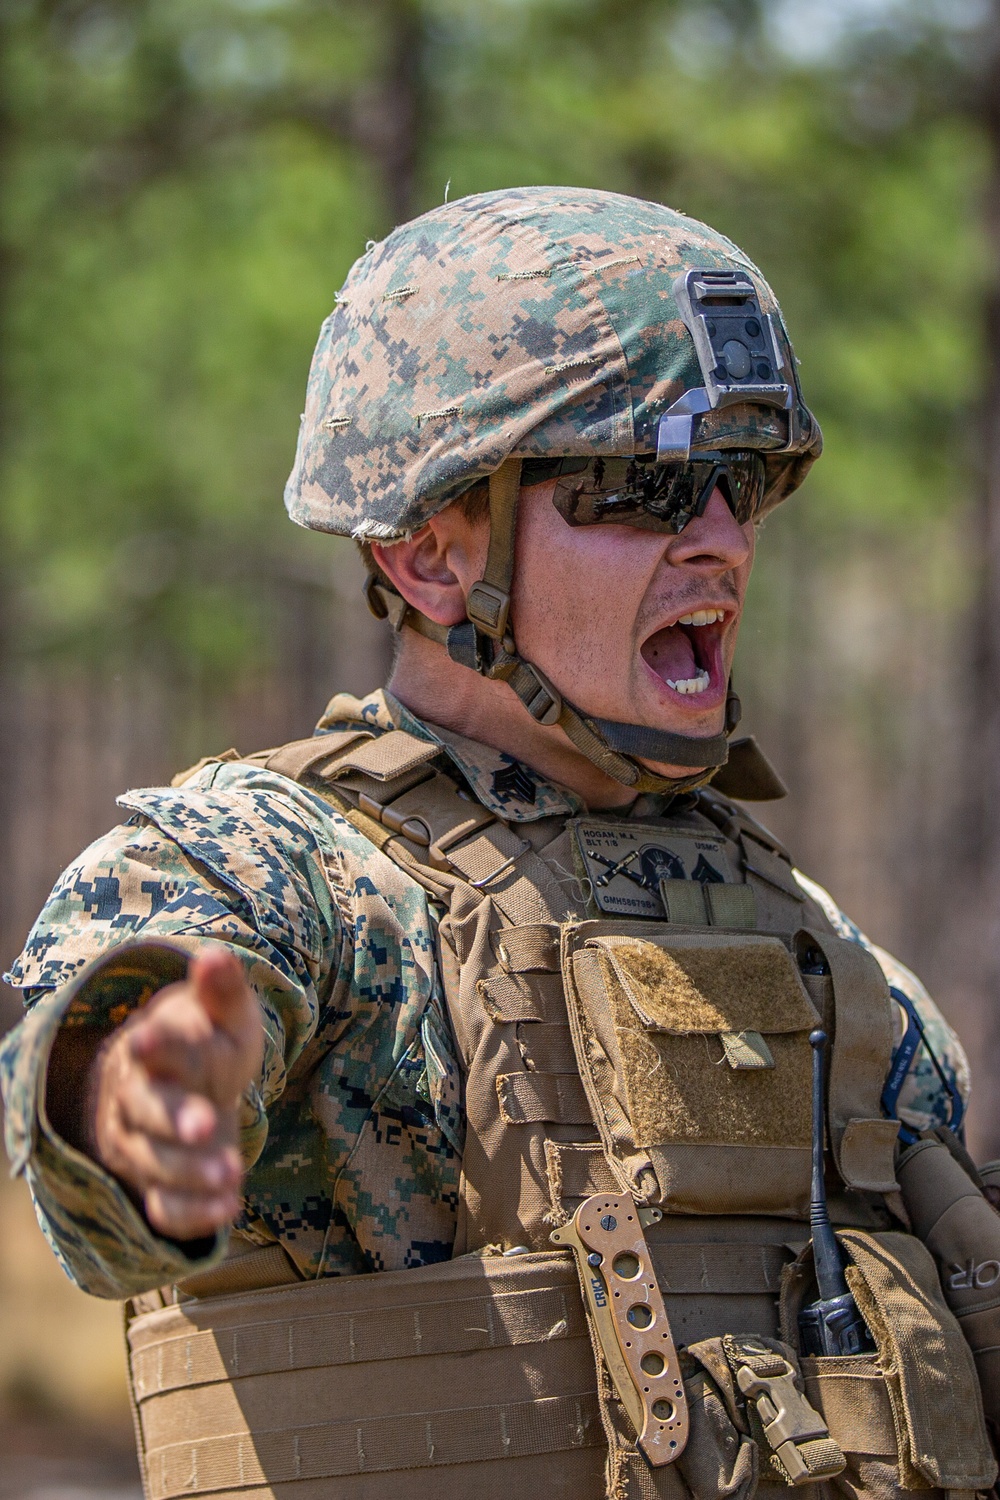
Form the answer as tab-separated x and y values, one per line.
163	1097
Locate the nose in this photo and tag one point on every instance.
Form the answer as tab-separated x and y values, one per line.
713	540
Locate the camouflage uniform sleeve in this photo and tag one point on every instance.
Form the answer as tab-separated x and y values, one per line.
243	864
939	1071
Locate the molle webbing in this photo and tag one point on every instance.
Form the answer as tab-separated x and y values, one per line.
407	1444
387	788
506	997
441	1382
315	1340
688	903
527	1098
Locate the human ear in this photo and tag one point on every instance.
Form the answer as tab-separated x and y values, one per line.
435	568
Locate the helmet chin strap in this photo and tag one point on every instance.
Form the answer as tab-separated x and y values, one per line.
484	643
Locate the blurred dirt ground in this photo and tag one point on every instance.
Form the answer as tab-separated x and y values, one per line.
65	1429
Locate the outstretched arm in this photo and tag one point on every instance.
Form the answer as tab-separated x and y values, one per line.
236	868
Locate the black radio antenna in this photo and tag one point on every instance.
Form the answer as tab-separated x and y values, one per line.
826	1252
833	1323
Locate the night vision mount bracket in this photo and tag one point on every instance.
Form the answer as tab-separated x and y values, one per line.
742	356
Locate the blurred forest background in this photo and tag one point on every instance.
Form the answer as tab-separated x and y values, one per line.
185	183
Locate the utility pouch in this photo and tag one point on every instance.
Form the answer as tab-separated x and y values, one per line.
950	1213
909	1417
693	1050
721	1460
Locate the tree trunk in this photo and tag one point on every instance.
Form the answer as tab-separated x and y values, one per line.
979	1017
391	115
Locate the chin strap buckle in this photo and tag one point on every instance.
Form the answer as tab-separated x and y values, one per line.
488	607
536	692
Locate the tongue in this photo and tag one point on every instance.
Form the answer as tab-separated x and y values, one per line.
670	654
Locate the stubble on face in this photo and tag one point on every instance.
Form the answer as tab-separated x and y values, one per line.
597	608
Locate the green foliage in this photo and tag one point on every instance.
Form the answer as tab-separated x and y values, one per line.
187	184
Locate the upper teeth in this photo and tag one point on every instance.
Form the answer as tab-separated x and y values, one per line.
691	684
702	617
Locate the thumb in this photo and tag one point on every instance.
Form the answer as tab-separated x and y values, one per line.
221	989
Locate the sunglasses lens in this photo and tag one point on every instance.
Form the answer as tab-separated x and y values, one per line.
747	478
659	497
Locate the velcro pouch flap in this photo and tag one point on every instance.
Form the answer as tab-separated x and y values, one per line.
717	983
694	1052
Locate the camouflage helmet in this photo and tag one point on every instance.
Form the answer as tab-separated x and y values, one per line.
540	324
533	322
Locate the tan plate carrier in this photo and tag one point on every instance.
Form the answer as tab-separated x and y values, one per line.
658	1063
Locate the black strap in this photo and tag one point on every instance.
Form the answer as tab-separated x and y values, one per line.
661	745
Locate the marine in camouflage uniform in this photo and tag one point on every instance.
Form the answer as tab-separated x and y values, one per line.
539	324
360	1082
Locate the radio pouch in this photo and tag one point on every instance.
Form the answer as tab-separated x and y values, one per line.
908	1417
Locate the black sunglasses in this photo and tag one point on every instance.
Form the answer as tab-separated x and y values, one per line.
640	492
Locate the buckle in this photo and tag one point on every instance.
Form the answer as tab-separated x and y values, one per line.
786	1418
487	607
539	697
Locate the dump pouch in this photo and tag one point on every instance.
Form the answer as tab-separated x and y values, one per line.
908	1418
962	1231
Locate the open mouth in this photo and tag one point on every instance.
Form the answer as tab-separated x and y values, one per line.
687	655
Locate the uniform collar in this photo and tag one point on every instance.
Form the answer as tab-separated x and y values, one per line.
504	785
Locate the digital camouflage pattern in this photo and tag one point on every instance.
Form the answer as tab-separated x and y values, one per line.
533	321
353	1133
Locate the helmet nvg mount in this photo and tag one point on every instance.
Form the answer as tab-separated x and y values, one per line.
541	324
